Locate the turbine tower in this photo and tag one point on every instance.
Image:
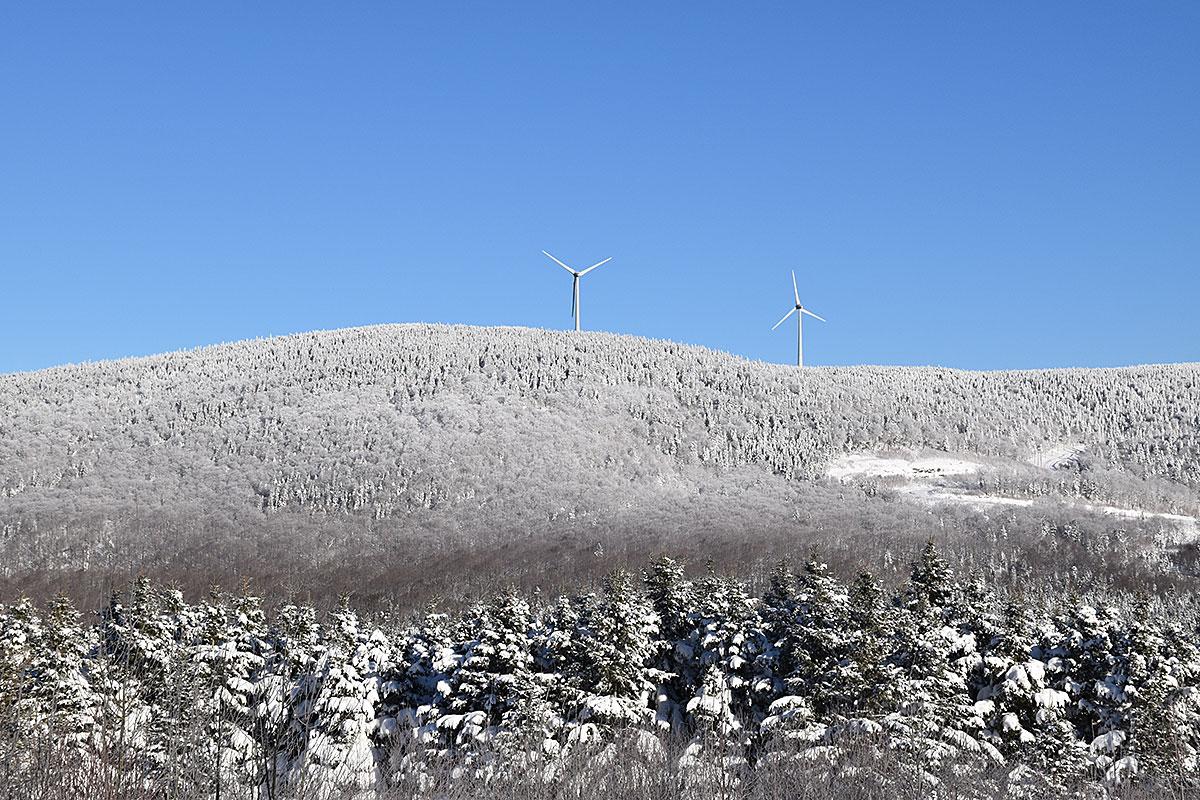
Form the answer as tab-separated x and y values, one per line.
575	276
799	322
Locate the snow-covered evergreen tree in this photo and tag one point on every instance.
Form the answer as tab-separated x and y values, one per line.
813	677
229	655
612	658
673	599
723	655
285	689
1025	716
58	691
20	631
1153	683
937	718
148	682
493	678
339	755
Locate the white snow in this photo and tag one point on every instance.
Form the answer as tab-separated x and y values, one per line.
1108	742
1052	698
855	465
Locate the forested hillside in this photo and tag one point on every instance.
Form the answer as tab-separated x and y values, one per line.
318	449
997	598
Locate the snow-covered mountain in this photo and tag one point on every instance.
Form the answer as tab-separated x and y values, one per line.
452	430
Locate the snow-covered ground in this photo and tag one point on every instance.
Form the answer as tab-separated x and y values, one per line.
862	465
920	478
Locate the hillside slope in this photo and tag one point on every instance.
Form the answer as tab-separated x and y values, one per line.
464	430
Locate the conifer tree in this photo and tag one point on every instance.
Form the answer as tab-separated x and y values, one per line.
229	657
416	676
339	753
725	644
149	679
169	695
613	655
58	684
673	599
494	676
931	583
1025	717
823	641
1084	660
1154	693
873	677
779	659
20	632
937	717
286	690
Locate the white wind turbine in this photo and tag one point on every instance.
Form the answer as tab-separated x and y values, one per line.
575	276
799	322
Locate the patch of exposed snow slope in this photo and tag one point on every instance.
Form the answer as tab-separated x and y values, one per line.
867	465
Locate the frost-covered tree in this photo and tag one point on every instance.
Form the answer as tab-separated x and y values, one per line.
720	656
823	641
356	425
673	599
148	681
19	635
339	713
1085	655
493	679
931	585
285	689
1025	716
229	656
58	690
1154	690
613	652
937	716
873	678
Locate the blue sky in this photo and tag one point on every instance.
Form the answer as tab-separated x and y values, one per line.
966	184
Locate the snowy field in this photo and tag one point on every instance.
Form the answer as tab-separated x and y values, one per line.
920	479
867	465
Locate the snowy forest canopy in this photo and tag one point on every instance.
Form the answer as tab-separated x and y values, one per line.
303	460
656	685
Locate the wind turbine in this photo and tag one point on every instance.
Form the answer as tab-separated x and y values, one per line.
799	322
575	276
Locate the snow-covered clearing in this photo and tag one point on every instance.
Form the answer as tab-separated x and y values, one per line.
919	478
862	465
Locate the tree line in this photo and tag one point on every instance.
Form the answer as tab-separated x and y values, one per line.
939	685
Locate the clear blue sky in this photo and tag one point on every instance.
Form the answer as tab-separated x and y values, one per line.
966	184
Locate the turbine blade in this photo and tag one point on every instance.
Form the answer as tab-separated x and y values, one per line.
556	261
795	291
785	316
572	301
593	266
811	314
